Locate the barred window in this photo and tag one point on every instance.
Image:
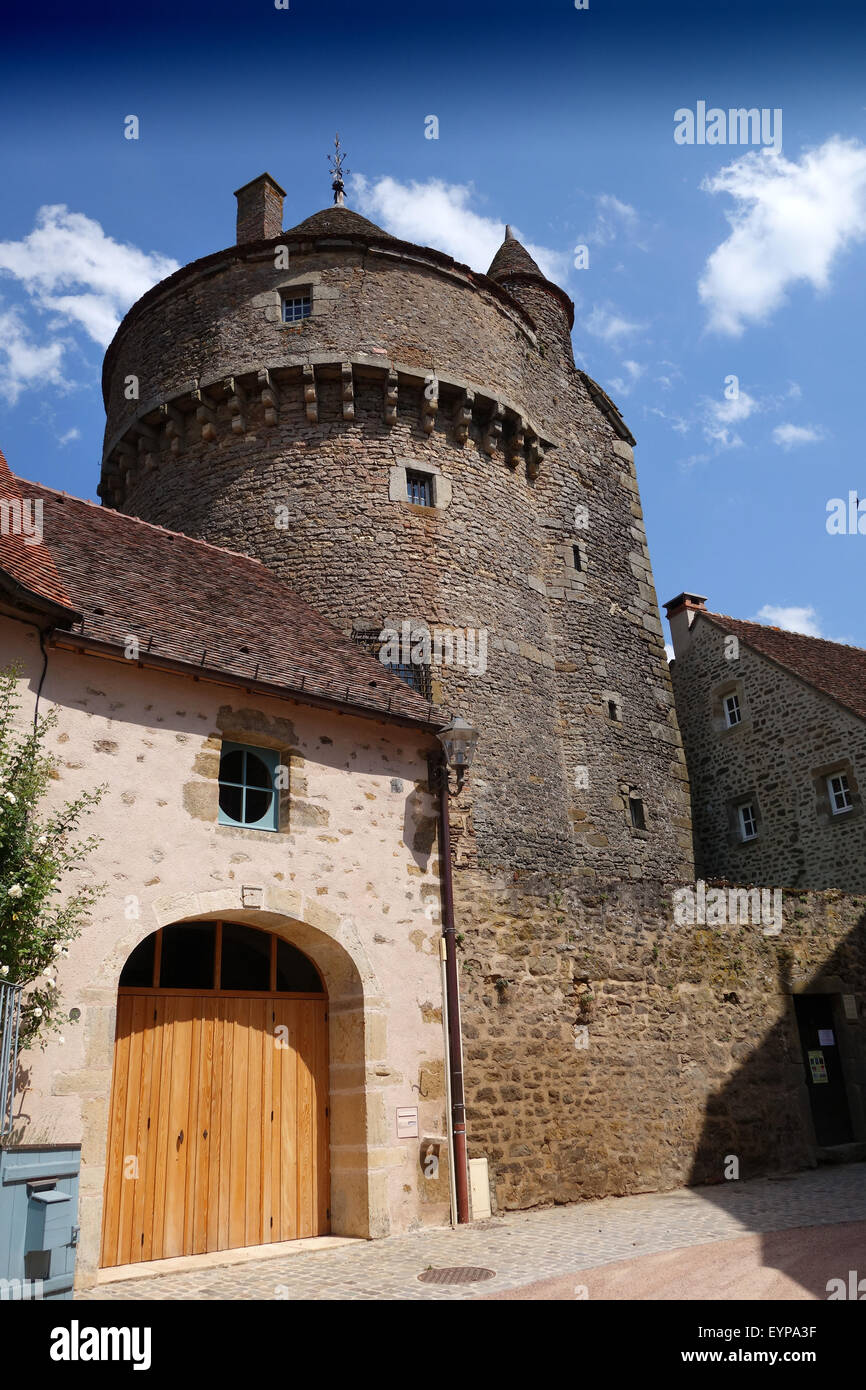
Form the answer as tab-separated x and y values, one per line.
297	308
419	489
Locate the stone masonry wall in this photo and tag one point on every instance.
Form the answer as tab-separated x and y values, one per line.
790	738
691	1054
553	771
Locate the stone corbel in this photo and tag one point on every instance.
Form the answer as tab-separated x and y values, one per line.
127	456
429	404
533	456
391	384
147	441
206	415
348	391
236	403
270	396
516	442
311	400
463	416
491	439
175	426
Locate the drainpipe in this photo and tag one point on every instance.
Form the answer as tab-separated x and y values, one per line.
452	998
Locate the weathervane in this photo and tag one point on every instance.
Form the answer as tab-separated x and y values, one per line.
335	164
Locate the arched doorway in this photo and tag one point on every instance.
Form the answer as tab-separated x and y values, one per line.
218	1129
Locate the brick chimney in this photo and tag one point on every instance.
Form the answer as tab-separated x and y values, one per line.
260	209
681	614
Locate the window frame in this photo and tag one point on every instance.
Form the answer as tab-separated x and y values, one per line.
742	808
216	989
845	791
732	698
296	294
271	759
425	483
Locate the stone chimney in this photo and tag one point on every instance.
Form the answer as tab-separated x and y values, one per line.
260	209
681	614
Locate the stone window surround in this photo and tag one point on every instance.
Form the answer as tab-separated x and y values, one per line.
609	697
283	794
310	281
628	793
825	814
717	706
566	551
397	486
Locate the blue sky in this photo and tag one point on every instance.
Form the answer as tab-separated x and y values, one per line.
706	261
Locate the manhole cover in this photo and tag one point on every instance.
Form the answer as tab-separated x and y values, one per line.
461	1274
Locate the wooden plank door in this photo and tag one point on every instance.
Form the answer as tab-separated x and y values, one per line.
218	1128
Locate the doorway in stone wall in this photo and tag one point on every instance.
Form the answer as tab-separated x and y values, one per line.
218	1129
825	1078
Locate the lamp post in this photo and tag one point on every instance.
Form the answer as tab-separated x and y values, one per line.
458	746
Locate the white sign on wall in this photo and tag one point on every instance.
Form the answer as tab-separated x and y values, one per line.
407	1122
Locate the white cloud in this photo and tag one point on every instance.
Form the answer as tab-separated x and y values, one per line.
613	218
67	438
70	267
790	436
790	222
669	651
634	372
802	620
24	363
719	416
438	214
606	323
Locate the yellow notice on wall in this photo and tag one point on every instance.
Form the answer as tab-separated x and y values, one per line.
818	1068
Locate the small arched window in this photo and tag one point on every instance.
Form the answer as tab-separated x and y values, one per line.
247	787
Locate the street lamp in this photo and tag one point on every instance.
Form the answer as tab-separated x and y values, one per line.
458	740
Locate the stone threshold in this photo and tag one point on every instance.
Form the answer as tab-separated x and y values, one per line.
217	1259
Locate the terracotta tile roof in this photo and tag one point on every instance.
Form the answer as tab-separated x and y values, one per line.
28	562
834	669
204	606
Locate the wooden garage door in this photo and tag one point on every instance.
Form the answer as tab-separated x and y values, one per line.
218	1126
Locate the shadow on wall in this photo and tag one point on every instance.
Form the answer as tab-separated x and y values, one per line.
797	1101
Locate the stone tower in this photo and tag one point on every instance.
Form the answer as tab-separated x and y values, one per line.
274	396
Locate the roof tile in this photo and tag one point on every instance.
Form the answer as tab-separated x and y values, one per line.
200	604
831	667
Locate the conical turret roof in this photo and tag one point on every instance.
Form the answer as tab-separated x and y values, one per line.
512	258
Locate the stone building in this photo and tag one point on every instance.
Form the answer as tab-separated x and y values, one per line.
774	727
329	452
236	904
403	440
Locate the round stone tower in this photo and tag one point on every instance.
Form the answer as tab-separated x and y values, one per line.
409	445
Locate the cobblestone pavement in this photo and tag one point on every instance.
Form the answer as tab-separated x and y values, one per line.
523	1247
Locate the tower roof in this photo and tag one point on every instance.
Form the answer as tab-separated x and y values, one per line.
338	221
512	258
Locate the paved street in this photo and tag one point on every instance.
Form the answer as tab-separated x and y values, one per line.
527	1247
